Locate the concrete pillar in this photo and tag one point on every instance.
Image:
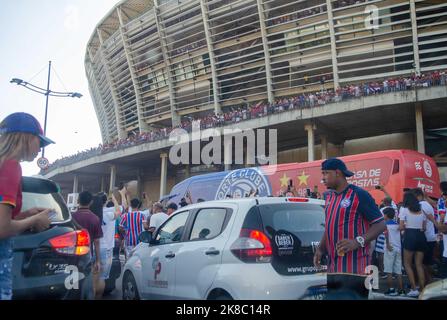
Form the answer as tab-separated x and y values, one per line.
164	173
96	91
143	126
210	44
175	117
112	177
324	146
228	154
419	128
250	156
330	18
97	104
268	71
310	128
340	149
75	184
108	74
414	30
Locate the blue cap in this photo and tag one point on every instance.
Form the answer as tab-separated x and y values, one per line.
24	123
336	164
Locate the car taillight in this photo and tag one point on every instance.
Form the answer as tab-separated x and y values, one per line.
117	236
252	246
72	243
297	199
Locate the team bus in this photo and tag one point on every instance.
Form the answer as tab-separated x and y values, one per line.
393	169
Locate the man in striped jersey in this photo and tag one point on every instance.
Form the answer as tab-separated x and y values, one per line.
353	220
132	225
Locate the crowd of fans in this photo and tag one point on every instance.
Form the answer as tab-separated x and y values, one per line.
247	112
190	47
313	11
275	21
298	15
413	242
345	3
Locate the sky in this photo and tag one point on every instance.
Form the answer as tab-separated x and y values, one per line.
33	32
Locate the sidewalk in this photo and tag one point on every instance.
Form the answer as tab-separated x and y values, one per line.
380	293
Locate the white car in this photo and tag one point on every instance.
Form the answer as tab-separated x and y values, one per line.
251	248
435	291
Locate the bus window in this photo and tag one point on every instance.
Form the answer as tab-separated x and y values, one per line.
204	189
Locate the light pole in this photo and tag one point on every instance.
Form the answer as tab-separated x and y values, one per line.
46	92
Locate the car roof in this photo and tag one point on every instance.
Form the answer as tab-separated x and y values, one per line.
39	185
253	201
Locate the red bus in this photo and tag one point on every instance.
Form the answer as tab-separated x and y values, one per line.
394	169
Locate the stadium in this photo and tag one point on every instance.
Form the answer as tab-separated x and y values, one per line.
334	77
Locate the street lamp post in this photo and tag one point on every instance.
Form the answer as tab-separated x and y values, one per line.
46	93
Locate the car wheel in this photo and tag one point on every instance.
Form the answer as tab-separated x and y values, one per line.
130	291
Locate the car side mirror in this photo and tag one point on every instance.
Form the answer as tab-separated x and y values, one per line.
145	237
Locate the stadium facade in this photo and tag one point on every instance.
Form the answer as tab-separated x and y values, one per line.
151	63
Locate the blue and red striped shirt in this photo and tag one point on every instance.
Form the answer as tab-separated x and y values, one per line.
349	215
132	222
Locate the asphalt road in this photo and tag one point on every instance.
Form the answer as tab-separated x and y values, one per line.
375	295
117	294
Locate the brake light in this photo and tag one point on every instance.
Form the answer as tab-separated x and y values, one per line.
252	246
72	243
297	199
117	236
83	242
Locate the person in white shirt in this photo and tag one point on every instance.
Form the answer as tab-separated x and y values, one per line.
430	234
414	223
158	217
392	256
111	212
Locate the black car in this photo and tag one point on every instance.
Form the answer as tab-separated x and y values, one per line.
56	263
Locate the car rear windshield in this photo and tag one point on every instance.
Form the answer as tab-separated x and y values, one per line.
306	221
47	200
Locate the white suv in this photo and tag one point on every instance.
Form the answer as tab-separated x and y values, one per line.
252	248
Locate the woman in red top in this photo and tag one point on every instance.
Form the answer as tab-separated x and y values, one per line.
21	138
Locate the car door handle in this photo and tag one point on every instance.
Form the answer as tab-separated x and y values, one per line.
212	252
170	255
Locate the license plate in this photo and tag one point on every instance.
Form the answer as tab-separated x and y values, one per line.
55	268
